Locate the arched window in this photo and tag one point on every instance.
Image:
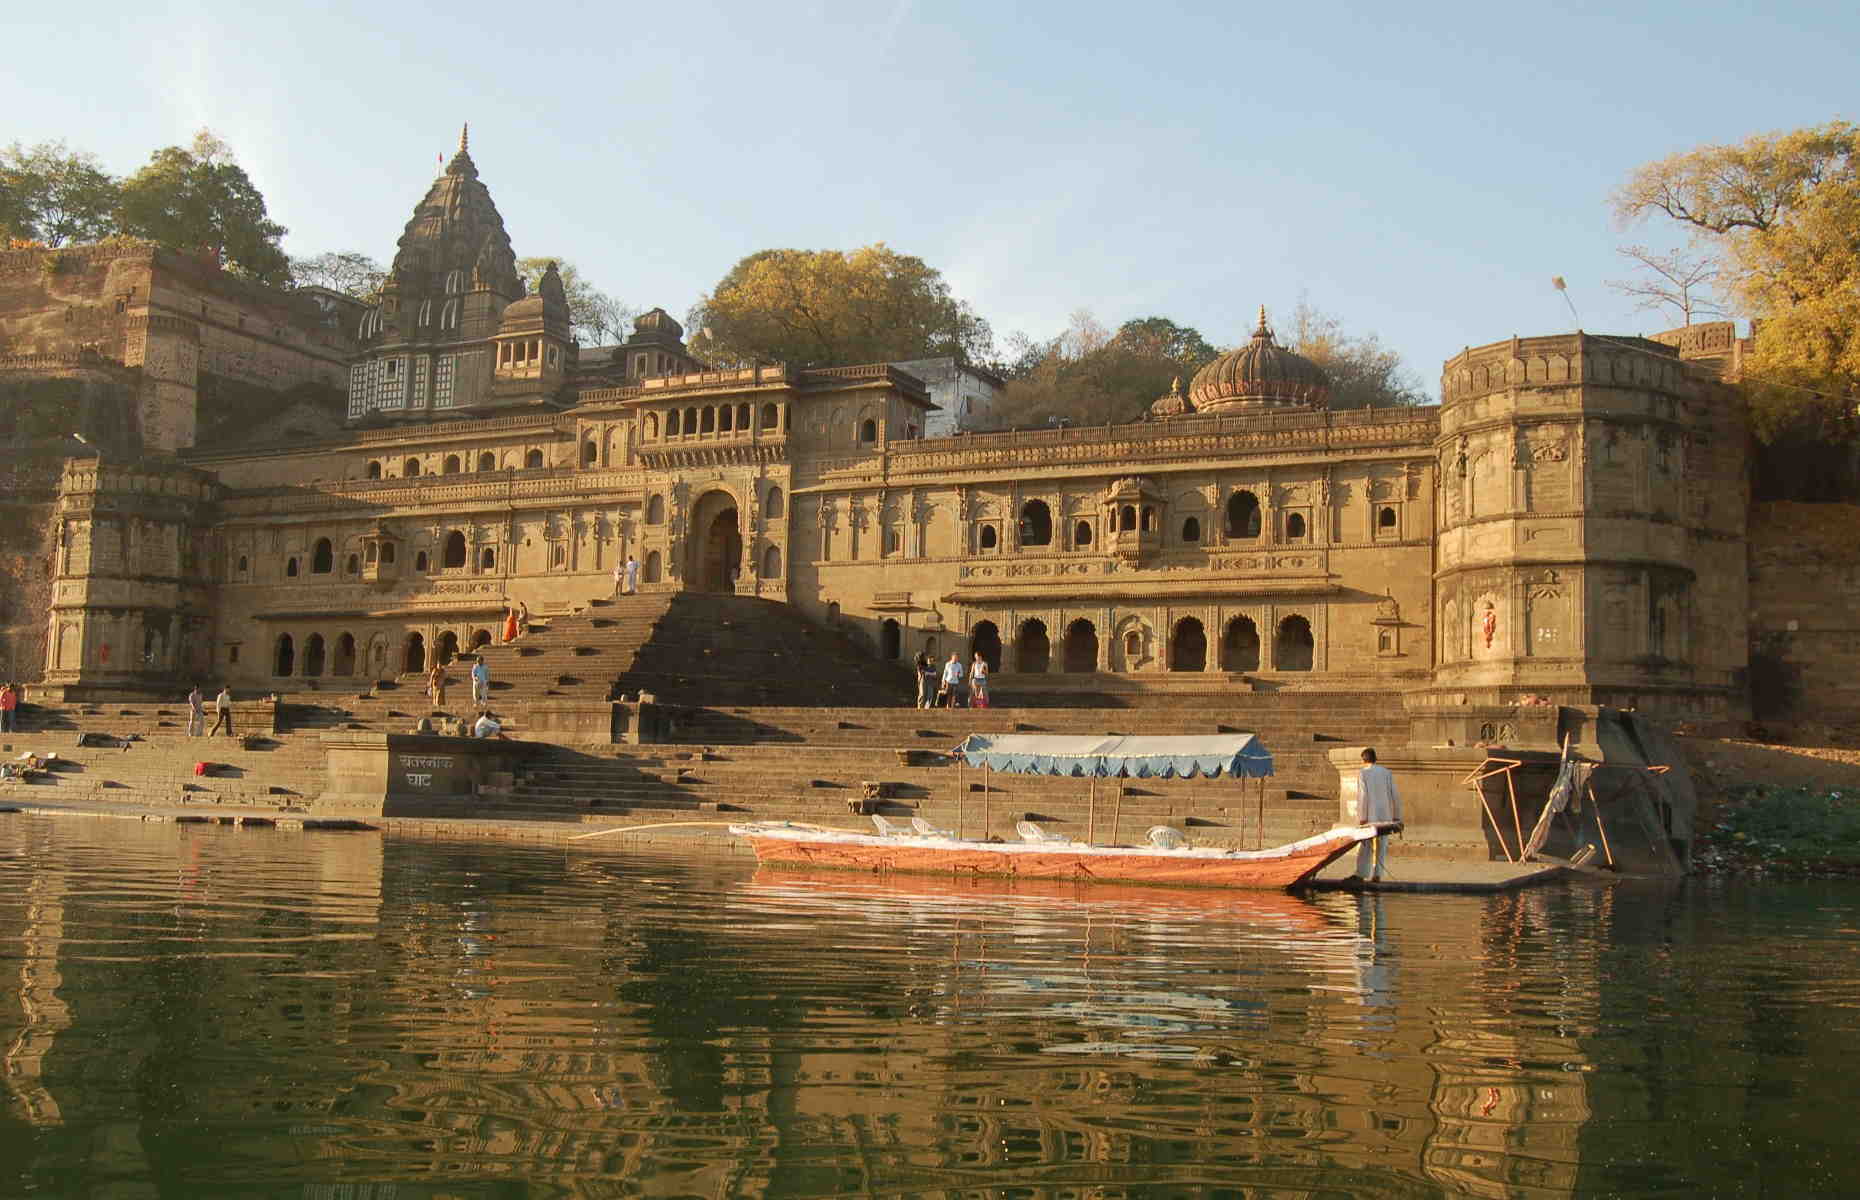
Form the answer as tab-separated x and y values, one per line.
1240	645
989	538
1081	534
454	553
285	660
771	563
590	454
893	543
868	432
449	315
691	420
1133	647
890	640
771	417
410	468
1188	649
1292	648
413	658
374	469
787	419
1036	524
726	417
480	637
419	561
487	559
985	640
354	565
313	656
652	567
709	420
742	418
772	509
322	557
244	564
558	555
450	466
533	461
487	461
1149	519
344	661
1127	518
447	648
387	552
455	281
426	312
1191	530
1032	650
652	425
1294	526
1081	655
655	510
1243	515
290	568
1385	519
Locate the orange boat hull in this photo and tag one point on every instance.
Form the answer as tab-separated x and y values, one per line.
1269	869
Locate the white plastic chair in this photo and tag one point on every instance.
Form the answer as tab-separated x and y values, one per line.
889	828
926	829
1165	837
1029	832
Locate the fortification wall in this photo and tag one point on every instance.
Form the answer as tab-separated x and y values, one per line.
28	499
1805	611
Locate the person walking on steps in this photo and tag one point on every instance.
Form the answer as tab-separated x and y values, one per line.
619	578
978	682
480	681
436	681
952	682
1377	802
222	712
926	680
9	709
632	575
196	713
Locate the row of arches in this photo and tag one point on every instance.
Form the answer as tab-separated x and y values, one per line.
315	656
717	418
453	464
1239	649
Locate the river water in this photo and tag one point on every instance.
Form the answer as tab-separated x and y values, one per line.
204	1012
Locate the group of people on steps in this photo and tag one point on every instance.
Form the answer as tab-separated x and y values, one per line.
952	685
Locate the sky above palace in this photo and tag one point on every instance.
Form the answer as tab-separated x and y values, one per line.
1421	171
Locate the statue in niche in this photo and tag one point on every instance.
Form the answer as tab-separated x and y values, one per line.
1488	624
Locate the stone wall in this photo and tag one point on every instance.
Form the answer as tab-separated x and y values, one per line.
1805	611
28	497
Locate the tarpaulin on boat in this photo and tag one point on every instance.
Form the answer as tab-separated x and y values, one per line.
1237	754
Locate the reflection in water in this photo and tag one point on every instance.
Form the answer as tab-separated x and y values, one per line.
203	1012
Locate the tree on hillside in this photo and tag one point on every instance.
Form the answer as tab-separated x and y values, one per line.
598	319
347	271
834	308
1091	376
1363	372
1779	214
1675	280
55	195
198	195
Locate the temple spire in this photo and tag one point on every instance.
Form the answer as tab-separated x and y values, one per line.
465	141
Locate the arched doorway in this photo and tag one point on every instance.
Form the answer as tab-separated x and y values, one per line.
313	655
890	640
717	554
480	637
1188	649
447	647
1243	515
286	659
1036	524
1240	645
985	640
1081	655
344	662
413	660
1292	648
653	567
1033	651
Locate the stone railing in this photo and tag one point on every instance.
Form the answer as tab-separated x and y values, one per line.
474	490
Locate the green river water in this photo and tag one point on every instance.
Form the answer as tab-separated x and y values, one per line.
204	1012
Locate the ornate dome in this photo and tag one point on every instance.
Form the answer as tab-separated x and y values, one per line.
1260	374
544	309
1172	403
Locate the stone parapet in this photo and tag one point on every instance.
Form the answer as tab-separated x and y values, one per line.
414	775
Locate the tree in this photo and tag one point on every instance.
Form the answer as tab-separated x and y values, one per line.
1675	280
835	307
1363	372
199	196
54	195
347	271
1090	376
1779	214
598	318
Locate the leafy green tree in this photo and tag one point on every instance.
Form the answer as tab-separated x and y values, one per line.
1091	376
347	271
598	318
834	308
1363	372
55	195
199	196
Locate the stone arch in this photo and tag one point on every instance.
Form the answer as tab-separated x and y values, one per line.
590	453
322	557
772	507
284	656
1240	645
868	432
771	562
1191	530
1033	649
1036	524
413	654
716	548
533	460
420	560
1243	515
479	637
890	639
652	425
654	567
374	468
771	417
987	538
1293	648
446	648
1080	655
985	640
342	662
453	552
487	558
726	418
314	656
410	468
655	509
1127	518
1081	534
450	466
353	566
708	419
487	461
1294	526
377	655
1188	646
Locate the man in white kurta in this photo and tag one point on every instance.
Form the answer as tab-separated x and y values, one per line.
1376	801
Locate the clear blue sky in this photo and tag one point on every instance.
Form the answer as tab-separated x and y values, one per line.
1419	170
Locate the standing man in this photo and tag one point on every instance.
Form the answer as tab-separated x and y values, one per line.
9	709
952	681
222	711
480	681
1376	803
632	575
619	578
196	713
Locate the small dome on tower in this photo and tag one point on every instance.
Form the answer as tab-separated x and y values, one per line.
545	309
1260	374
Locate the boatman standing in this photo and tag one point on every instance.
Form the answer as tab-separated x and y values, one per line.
1376	802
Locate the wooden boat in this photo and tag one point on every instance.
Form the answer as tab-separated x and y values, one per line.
1047	856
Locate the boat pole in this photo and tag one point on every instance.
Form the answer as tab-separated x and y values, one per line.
1517	825
1091	810
987	799
1600	827
960	797
1117	810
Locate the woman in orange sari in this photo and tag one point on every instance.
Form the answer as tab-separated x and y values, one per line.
510	624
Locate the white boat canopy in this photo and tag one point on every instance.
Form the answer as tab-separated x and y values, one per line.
1239	755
